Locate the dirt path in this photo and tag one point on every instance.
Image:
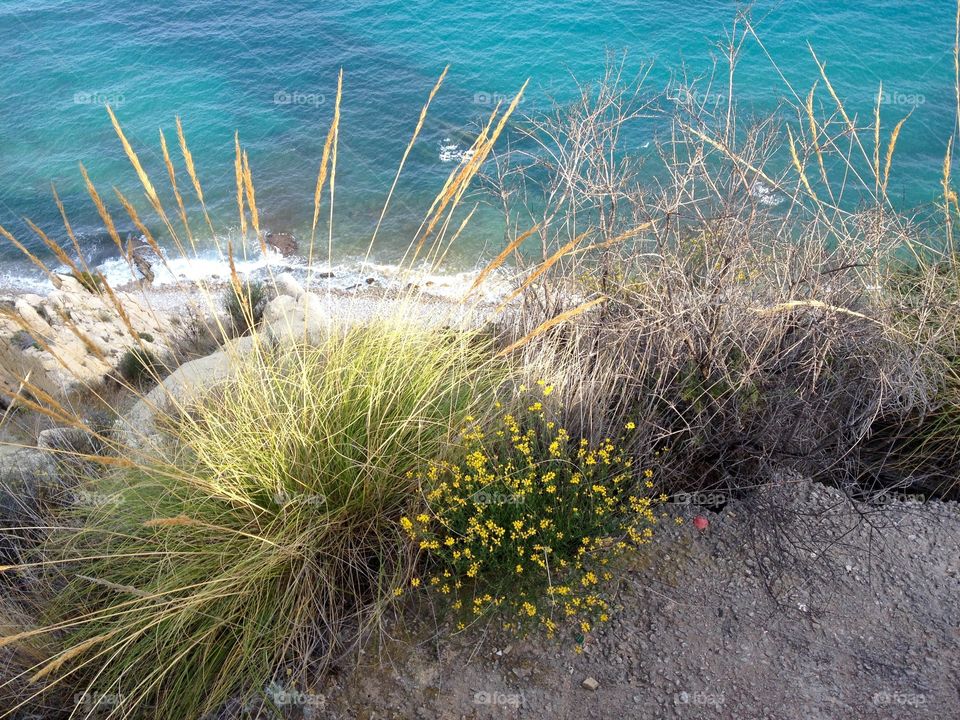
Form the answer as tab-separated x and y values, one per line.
861	621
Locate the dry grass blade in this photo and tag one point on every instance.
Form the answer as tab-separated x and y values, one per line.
102	210
143	229
252	201
460	179
563	251
26	253
813	304
798	166
135	161
890	149
54	247
403	160
192	172
552	322
876	140
238	177
172	175
499	260
815	141
70	654
69	228
324	160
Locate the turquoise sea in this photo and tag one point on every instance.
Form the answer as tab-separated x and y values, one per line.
268	68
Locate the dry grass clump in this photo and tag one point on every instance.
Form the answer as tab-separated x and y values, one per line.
738	313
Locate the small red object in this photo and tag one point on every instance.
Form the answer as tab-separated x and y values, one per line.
700	522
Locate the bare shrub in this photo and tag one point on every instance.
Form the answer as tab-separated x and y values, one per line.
734	314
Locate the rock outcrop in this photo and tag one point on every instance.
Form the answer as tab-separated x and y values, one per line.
72	338
294	316
300	319
284	243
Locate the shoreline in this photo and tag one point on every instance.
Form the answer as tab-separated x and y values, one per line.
341	281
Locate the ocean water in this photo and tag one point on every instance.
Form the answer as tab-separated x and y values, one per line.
268	68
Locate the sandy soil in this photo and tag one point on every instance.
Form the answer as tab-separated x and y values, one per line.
859	619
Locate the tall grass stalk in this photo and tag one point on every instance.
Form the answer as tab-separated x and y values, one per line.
256	539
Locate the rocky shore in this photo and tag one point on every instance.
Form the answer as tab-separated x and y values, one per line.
73	338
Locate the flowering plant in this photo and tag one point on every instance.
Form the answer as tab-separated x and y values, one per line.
531	521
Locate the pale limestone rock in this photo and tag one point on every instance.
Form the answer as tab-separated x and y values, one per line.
301	320
184	387
81	337
286	284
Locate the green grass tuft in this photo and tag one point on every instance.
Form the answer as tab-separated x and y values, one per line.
245	305
272	541
138	365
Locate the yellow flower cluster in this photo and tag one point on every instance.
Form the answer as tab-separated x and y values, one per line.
531	520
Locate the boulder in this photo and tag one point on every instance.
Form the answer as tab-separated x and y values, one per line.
23	470
284	243
184	386
138	255
29	482
298	320
72	338
286	284
67	440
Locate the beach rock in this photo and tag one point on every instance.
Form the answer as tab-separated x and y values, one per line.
32	484
138	256
297	320
27	476
72	339
284	243
66	440
286	319
184	386
22	469
286	284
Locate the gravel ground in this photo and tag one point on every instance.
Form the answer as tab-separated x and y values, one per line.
858	618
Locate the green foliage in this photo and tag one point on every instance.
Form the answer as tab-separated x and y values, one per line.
23	340
270	538
245	305
91	281
530	522
138	365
